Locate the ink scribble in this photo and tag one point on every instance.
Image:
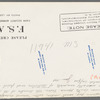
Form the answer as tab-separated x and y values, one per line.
41	62
91	57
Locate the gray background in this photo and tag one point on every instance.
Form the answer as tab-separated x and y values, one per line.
79	98
76	98
49	0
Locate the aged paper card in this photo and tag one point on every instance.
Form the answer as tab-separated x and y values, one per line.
49	50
